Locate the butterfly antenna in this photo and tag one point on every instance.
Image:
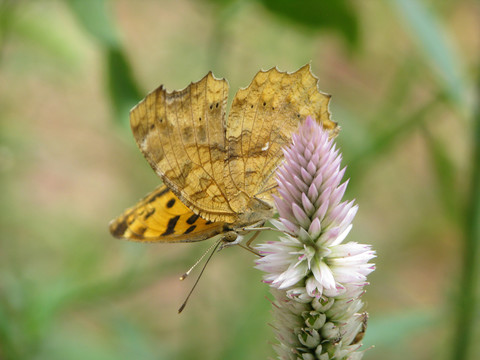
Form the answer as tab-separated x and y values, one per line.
184	276
215	246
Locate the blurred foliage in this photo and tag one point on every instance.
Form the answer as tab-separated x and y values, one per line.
96	19
124	93
313	15
431	38
401	75
338	16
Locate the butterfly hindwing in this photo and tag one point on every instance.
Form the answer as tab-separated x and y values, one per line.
162	217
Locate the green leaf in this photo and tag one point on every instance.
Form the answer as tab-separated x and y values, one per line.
314	14
95	18
431	37
122	88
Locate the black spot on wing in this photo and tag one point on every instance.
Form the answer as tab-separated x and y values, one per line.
161	193
190	229
149	213
170	203
191	220
171	226
140	231
118	230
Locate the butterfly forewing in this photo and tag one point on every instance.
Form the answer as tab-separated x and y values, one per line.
162	217
182	135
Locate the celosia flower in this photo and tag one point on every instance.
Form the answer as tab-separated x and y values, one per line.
317	279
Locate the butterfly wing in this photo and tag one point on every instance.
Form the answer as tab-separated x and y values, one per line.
182	135
261	121
162	217
216	171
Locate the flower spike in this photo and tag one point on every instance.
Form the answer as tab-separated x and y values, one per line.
317	279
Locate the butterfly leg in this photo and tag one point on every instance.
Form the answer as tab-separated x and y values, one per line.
253	251
249	241
247	244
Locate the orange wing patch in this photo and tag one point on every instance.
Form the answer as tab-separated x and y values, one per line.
162	217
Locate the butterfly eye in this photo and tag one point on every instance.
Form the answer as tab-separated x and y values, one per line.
230	236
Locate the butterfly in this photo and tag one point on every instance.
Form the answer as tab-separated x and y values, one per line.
218	174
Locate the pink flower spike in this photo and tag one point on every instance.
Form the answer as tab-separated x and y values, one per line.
300	184
317	180
306	175
291	227
322	210
312	193
311	167
315	228
292	189
307	205
285	196
300	216
283	208
317	279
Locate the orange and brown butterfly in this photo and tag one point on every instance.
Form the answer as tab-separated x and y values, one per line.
218	173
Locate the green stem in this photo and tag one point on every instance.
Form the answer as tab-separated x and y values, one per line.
468	292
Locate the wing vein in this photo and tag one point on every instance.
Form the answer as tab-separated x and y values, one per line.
250	138
153	161
210	153
188	155
170	139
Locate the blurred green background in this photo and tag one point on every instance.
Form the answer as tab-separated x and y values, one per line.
403	78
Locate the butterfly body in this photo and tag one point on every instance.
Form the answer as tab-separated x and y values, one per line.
218	175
